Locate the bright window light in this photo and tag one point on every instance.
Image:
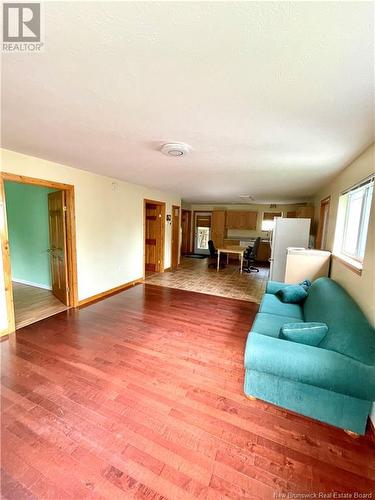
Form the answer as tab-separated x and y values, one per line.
268	220
352	221
267	225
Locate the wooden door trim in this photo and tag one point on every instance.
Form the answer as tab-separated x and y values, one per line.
70	240
193	221
6	264
23	179
178	235
319	234
162	246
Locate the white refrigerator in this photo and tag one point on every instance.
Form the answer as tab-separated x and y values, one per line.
286	233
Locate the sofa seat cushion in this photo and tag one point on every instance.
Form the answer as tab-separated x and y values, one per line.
310	365
270	324
271	304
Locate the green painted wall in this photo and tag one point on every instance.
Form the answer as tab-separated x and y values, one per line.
27	214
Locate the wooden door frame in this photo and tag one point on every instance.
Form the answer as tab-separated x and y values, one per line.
189	227
162	246
319	234
70	241
178	235
193	226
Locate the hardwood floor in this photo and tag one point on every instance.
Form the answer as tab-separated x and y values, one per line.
140	396
32	304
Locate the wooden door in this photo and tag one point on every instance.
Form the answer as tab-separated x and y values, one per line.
58	249
218	227
186	231
154	237
321	238
175	236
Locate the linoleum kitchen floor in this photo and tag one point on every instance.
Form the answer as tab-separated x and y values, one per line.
195	275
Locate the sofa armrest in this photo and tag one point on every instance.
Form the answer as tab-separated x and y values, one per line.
275	286
310	365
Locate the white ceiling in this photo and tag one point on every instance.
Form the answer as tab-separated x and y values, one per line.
273	97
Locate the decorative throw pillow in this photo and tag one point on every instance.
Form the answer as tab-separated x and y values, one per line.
292	294
304	333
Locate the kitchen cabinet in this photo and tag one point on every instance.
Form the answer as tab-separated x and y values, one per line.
301	213
305	212
241	219
264	252
218	227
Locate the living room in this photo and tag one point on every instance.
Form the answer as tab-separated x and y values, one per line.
170	370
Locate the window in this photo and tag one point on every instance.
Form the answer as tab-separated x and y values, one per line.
202	238
268	220
352	222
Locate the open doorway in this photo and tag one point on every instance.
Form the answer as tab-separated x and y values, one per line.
202	232
39	247
154	231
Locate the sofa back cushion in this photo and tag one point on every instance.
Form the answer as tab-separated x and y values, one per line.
349	332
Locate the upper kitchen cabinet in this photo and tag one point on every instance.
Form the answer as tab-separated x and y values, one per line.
238	219
306	212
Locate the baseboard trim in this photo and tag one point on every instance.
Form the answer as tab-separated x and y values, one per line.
107	293
31	283
4	334
167	269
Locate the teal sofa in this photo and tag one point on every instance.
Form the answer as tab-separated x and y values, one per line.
333	382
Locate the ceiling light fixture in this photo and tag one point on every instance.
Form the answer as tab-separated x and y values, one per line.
176	149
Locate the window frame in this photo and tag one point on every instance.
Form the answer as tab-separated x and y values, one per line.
356	260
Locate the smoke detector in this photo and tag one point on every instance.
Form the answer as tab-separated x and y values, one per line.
177	149
246	198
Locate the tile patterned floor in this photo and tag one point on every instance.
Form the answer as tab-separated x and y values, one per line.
195	276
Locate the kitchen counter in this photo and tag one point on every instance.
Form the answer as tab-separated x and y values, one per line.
231	238
264	251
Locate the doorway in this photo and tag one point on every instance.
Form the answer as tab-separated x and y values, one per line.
202	232
175	250
38	243
154	231
322	233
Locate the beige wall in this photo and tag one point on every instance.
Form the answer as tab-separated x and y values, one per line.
361	288
109	222
260	208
